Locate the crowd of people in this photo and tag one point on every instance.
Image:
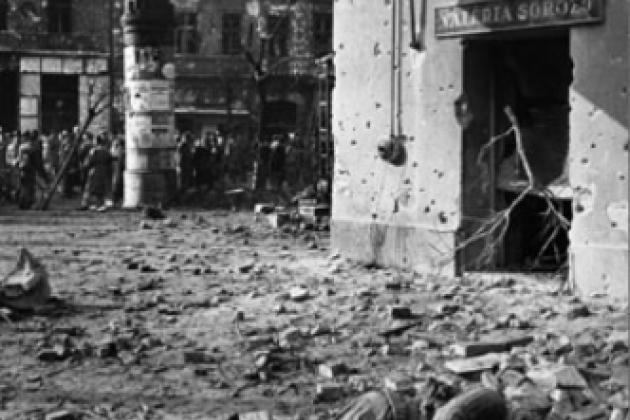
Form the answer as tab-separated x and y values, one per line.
91	165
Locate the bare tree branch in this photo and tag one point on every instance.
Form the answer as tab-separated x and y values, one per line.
493	230
94	110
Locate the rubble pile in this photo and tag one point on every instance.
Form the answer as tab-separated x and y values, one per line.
221	317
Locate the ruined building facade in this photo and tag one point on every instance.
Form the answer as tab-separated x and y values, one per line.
432	104
217	86
53	54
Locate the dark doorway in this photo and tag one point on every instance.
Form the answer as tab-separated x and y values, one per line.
60	102
9	82
279	117
531	76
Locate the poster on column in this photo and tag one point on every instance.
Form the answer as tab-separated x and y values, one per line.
142	133
149	95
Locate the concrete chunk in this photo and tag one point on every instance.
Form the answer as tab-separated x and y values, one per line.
473	364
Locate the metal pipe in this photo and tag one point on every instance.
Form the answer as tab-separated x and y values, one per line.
112	72
418	32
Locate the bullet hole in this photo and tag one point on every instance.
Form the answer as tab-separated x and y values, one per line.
579	208
364	181
411	138
374	216
373	199
368	124
396	206
625	147
427	209
442	217
613	225
593	146
341	46
433	202
414	165
405	260
407	181
353	142
441	88
584	161
451	87
377	49
378	105
440	174
408	74
622	177
422	190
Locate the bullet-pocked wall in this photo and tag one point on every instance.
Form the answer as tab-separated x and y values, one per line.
405	215
408	215
598	156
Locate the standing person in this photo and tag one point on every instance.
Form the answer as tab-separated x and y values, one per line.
118	170
218	158
85	146
97	166
185	161
72	171
277	161
12	158
30	164
201	162
4	168
50	152
262	163
228	163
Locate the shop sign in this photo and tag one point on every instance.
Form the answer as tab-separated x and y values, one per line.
502	15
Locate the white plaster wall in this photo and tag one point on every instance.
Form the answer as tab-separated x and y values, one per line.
598	161
366	188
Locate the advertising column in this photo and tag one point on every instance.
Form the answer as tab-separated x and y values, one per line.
150	170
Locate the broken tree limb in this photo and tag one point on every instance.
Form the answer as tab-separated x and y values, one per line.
494	229
93	112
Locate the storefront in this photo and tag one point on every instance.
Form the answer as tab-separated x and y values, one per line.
449	86
55	90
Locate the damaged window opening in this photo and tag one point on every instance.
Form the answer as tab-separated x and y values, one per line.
60	17
186	35
531	77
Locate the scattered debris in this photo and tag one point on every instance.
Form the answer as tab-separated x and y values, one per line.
153	213
27	286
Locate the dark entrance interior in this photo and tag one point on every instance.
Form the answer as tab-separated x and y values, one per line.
279	117
60	102
9	100
531	76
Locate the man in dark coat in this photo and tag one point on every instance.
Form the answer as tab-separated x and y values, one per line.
118	170
185	161
202	162
97	166
30	164
72	172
